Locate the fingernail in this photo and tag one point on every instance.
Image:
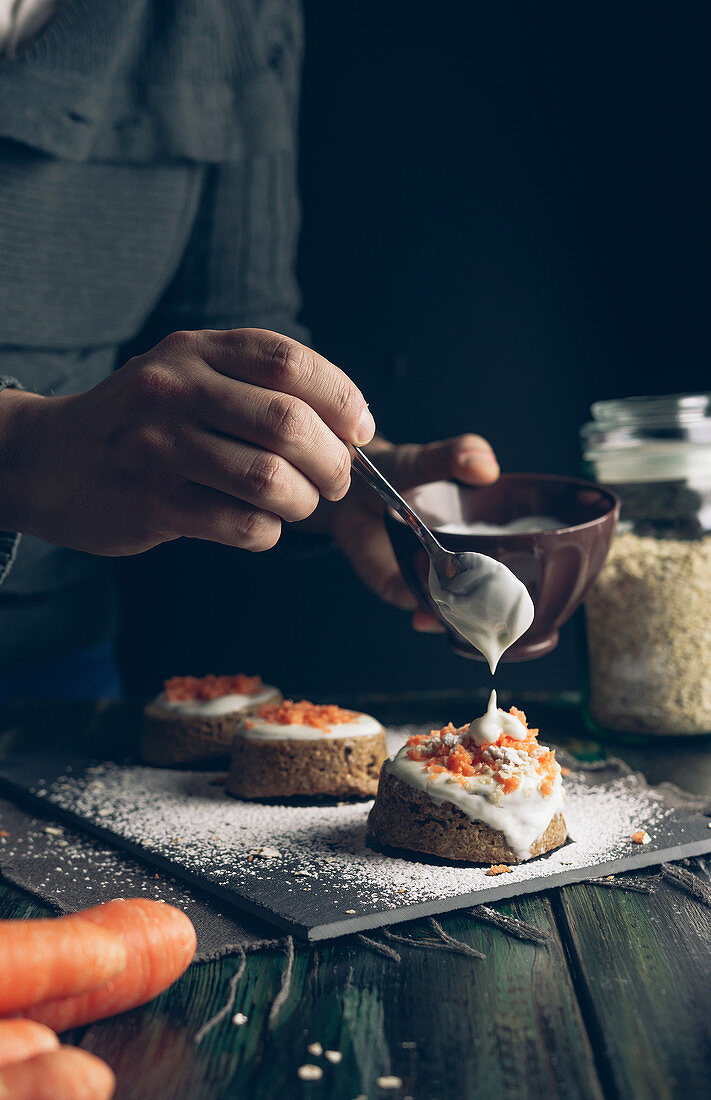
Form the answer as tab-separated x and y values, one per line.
482	460
366	427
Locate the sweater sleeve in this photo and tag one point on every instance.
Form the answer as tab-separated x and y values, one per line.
8	539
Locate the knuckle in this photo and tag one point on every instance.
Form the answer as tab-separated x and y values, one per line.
157	384
288	419
153	443
182	342
285	361
259	530
266	476
346	398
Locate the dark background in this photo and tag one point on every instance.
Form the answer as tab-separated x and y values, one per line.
505	219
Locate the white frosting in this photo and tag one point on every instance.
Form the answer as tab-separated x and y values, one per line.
522	526
522	815
491	725
363	725
222	704
486	604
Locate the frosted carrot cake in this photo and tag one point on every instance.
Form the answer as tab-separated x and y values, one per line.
195	718
485	793
306	749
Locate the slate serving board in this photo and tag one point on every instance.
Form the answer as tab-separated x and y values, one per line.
324	881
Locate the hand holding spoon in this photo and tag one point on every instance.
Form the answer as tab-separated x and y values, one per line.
477	596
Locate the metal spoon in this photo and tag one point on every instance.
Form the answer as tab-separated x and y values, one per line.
477	597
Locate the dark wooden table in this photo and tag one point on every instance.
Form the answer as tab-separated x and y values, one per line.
616	1004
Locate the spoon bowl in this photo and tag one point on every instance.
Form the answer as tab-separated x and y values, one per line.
481	601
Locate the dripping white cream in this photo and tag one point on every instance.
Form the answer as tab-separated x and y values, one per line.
486	604
522	815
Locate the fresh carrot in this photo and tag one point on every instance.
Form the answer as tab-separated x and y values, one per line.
160	943
20	1039
64	1074
55	957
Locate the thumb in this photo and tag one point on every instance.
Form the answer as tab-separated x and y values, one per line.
468	458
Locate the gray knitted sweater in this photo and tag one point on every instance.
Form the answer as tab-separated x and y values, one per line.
147	183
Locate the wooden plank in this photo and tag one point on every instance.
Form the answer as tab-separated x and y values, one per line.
448	1025
643	977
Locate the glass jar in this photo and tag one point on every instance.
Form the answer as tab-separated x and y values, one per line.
648	615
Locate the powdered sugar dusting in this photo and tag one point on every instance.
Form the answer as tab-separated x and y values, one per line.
325	876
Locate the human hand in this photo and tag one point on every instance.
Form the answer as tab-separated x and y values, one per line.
357	521
216	435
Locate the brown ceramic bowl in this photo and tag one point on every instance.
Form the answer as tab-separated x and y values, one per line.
557	566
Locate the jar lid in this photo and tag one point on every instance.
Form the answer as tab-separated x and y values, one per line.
645	439
664	410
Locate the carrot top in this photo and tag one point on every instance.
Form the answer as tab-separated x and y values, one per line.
304	713
202	688
455	751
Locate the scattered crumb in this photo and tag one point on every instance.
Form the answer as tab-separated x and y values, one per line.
309	1073
389	1082
499	869
333	1056
53	830
263	852
641	837
156	875
239	1018
350	912
316	1049
566	771
104	811
4	832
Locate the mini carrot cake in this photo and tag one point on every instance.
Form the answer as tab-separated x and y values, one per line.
306	749
195	718
485	793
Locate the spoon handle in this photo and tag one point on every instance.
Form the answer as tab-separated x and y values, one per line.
372	475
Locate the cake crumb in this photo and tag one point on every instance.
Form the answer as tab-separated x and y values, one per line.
333	1056
498	869
641	837
316	1049
239	1018
263	852
350	912
389	1082
309	1073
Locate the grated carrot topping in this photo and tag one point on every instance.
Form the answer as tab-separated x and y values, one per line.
202	688
304	713
499	869
641	837
449	749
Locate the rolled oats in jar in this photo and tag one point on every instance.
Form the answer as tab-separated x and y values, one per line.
648	615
